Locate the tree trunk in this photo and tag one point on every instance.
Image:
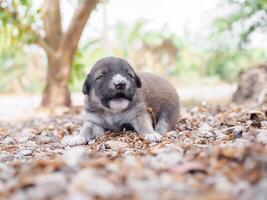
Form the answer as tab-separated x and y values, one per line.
56	92
60	49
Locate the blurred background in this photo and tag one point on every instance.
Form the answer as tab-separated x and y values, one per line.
202	47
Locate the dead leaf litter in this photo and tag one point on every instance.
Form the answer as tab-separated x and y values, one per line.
216	152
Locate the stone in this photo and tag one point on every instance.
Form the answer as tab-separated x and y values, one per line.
115	145
220	135
172	134
91	182
45	139
237	131
47	186
205	128
258	192
164	159
30	144
25	152
188	142
9	140
26	135
6	172
75	155
262	136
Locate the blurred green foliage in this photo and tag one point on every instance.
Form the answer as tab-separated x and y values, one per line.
245	18
22	17
232	49
222	58
18	29
12	63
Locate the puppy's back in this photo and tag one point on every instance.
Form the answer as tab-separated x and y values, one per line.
161	96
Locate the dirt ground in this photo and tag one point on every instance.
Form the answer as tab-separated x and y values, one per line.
21	107
216	152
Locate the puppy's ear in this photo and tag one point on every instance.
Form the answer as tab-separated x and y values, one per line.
138	81
86	85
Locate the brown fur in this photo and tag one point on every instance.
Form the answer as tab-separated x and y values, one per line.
161	96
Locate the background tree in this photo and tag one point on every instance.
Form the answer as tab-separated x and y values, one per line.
59	46
245	18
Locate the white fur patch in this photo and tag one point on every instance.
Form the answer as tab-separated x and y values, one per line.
73	140
153	137
118	78
118	105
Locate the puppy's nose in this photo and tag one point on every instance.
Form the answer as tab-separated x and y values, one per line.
120	86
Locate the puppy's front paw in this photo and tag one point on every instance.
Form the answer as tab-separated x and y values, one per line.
74	140
153	137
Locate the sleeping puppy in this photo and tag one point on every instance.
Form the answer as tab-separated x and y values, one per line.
117	98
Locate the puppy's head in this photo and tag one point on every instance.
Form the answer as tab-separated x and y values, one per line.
113	83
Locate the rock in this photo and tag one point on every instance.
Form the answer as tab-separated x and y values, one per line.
26	131
221	183
9	140
19	195
150	187
30	144
45	139
113	167
241	187
115	145
26	135
205	131
187	143
264	123
252	84
23	139
75	155
48	134
220	135
25	152
205	134
258	192
78	196
205	128
262	136
172	134
6	172
6	156
165	158
130	161
47	186
237	131
91	182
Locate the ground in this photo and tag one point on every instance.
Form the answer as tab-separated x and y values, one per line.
216	152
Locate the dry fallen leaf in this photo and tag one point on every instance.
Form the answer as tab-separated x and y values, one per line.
189	167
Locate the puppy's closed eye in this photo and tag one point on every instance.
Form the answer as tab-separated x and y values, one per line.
100	76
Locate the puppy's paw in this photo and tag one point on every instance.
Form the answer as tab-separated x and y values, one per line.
153	137
74	140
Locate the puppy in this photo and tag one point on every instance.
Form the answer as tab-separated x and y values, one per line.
118	98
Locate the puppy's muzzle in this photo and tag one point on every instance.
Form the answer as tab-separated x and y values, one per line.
120	85
119	82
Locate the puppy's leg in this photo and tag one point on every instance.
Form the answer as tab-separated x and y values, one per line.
88	131
162	126
143	125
